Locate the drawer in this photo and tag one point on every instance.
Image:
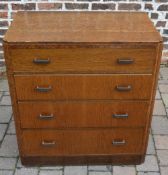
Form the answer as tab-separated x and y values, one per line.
77	142
81	86
83	114
95	60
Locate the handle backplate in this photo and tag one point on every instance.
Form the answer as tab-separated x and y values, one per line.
123	88
47	143
125	60
46	117
41	61
43	89
118	142
120	116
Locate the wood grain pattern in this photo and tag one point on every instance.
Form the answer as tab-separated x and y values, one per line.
72	45
154	87
83	76
78	142
77	87
82	27
93	60
83	114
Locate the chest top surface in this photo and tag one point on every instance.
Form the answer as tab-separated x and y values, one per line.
79	27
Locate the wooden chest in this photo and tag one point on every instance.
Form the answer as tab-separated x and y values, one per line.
82	85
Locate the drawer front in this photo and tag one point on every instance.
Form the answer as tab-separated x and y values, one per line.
77	142
63	87
98	60
82	114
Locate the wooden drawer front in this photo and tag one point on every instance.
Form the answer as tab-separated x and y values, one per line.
70	142
84	60
82	114
52	87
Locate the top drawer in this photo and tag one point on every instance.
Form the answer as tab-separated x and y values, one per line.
81	60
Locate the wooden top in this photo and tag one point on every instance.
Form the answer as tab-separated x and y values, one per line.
79	27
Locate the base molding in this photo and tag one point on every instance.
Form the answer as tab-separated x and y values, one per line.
83	160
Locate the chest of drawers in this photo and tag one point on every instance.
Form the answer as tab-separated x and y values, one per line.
82	85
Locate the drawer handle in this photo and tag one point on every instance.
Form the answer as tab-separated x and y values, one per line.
41	61
46	117
124	88
125	61
120	116
48	143
43	89
118	142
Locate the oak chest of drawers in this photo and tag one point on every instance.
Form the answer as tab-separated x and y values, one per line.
82	85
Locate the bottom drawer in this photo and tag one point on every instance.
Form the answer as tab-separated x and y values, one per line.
81	142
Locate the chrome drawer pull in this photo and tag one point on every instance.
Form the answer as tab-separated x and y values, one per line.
41	61
43	89
125	61
118	142
124	88
46	117
48	143
120	116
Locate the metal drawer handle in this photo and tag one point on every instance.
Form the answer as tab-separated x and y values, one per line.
125	61
43	89
48	143
46	117
124	88
120	116
118	142
41	61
